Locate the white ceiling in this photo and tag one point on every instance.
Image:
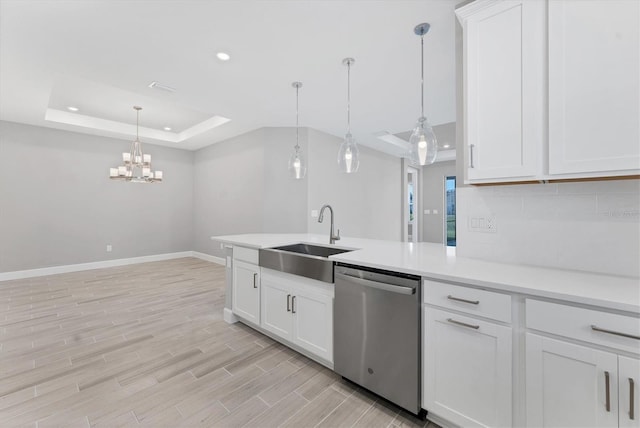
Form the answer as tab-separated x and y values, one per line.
101	55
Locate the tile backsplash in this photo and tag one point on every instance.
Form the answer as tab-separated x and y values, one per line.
591	226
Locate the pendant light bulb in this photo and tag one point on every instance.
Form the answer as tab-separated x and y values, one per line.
297	163
348	154
423	142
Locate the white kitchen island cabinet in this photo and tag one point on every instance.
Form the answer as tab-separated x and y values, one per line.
298	310
245	296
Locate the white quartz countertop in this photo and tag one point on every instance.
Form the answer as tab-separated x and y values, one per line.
438	262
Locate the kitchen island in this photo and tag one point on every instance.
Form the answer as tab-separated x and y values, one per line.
438	262
498	340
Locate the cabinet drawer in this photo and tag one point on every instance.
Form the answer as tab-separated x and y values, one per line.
585	324
484	303
249	255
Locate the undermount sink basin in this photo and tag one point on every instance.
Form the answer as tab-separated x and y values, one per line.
306	260
312	250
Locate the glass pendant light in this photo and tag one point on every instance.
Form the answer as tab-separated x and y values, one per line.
424	146
348	155
297	164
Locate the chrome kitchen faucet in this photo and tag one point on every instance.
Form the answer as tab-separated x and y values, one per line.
332	238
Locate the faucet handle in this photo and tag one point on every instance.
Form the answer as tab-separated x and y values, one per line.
337	237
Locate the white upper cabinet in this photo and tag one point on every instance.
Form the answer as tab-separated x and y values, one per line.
503	89
594	87
551	89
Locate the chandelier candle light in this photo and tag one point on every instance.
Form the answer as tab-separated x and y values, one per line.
424	146
297	164
137	165
348	155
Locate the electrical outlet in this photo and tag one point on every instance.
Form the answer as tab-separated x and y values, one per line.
486	224
314	213
491	224
109	248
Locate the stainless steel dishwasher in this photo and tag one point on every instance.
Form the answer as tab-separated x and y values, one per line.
376	332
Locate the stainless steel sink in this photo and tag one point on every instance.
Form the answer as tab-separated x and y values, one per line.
306	260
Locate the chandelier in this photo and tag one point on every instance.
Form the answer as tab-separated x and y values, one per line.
137	165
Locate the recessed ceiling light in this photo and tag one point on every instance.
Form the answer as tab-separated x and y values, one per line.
446	146
71	108
223	56
166	128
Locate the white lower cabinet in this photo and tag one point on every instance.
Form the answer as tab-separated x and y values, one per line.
568	384
299	312
575	385
628	397
467	369
245	297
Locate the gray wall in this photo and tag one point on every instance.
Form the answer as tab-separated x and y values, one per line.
58	205
366	204
242	186
433	177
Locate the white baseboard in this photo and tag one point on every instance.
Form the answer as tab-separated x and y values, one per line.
54	270
229	317
209	258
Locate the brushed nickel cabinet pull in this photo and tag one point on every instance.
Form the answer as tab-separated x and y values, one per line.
631	399
471	146
255	276
457	299
288	303
606	392
293	304
617	333
463	324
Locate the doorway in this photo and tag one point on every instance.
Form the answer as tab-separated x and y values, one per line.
411	217
450	210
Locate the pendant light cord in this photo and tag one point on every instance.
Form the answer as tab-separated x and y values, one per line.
349	97
297	113
422	72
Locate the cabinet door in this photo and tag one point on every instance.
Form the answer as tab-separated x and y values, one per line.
245	298
466	369
276	307
503	88
628	377
313	323
567	385
594	86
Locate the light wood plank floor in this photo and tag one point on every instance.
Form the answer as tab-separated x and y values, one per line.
145	345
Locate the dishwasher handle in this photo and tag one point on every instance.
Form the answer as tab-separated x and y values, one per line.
400	289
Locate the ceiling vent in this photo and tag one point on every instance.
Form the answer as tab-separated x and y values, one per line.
160	86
